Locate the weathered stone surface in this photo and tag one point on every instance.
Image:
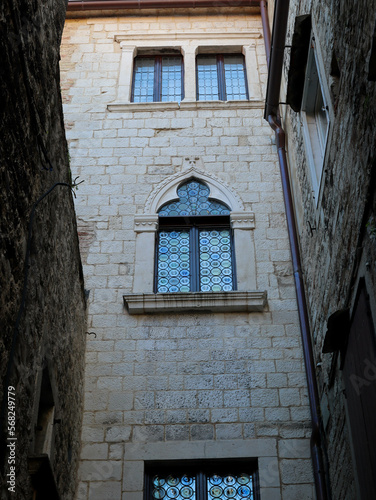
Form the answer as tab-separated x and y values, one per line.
340	249
188	377
51	328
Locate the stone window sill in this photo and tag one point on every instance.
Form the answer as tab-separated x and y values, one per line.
188	105
142	303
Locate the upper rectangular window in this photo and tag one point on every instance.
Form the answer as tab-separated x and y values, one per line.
158	78
235	480
221	77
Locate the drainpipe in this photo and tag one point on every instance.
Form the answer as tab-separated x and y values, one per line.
281	13
74	5
265	28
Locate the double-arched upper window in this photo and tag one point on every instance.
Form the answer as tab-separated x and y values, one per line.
194	251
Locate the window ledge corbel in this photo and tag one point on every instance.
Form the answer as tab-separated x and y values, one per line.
234	301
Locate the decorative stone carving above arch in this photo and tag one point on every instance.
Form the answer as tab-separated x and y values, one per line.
167	191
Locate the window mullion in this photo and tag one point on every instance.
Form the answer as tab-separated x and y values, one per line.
221	77
201	491
182	79
157	79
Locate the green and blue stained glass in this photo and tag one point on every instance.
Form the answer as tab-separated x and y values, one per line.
219	487
193	200
180	487
206	250
174	262
230	487
215	260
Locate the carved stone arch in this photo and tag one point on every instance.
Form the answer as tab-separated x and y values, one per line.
167	191
241	222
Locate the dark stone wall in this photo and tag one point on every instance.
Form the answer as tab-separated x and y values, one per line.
341	248
33	157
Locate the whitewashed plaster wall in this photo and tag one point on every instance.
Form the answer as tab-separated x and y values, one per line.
173	379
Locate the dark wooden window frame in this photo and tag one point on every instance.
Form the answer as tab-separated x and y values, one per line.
157	87
221	74
358	373
194	224
201	469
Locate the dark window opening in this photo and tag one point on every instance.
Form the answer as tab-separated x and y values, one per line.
335	75
40	461
298	61
45	420
202	480
221	77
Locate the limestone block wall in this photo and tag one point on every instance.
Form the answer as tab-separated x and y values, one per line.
213	384
42	316
340	249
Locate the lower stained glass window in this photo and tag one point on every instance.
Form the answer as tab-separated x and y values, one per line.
215	260
173	273
174	487
194	248
229	486
200	481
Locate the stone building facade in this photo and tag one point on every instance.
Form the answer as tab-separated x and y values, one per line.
43	315
328	82
198	376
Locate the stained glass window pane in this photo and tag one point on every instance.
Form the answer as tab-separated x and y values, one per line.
207	78
235	77
173	272
174	486
215	260
193	200
143	86
171	79
230	487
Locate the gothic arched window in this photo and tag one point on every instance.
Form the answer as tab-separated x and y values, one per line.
194	251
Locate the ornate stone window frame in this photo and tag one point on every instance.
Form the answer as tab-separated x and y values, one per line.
189	44
244	298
